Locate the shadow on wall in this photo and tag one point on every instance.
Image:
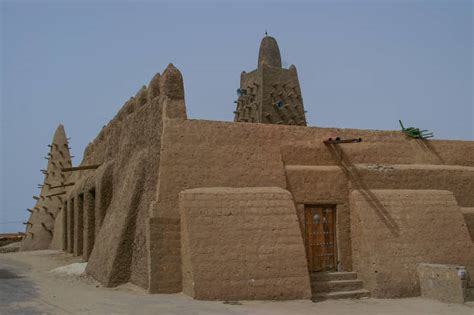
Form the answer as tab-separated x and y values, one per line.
357	183
428	147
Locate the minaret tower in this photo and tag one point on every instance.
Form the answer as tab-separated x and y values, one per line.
40	225
270	94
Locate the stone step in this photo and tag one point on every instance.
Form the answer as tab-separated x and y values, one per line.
333	276
354	294
337	285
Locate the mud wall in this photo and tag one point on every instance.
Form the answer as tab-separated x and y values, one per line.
242	244
393	230
198	153
469	218
327	184
107	217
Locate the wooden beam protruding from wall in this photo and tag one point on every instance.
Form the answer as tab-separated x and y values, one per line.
80	168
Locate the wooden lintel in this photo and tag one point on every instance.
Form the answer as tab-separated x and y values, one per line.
80	168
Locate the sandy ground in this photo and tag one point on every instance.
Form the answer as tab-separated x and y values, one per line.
27	286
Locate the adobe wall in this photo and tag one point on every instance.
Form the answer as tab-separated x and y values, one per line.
109	226
446	283
468	213
394	230
457	179
198	153
123	216
242	244
57	241
377	147
327	184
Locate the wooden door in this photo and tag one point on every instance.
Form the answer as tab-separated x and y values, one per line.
320	238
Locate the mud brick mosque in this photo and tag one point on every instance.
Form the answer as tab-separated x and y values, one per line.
264	207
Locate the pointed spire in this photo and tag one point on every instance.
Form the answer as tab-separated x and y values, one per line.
141	96
172	83
154	87
269	53
59	135
58	155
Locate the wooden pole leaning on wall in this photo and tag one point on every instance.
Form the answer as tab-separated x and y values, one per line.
80	168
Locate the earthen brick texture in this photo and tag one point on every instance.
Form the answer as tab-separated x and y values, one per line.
242	244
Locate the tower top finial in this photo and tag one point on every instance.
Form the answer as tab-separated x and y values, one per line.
266	34
269	53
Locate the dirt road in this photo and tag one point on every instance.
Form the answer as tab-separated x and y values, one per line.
27	286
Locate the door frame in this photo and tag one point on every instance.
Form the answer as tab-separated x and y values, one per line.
309	253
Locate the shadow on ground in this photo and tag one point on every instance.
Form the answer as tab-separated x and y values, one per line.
16	292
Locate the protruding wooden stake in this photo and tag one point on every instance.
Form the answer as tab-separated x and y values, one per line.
80	168
62	185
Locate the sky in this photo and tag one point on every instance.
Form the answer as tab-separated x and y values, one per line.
361	64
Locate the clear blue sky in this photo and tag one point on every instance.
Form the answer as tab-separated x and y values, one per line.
361	64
